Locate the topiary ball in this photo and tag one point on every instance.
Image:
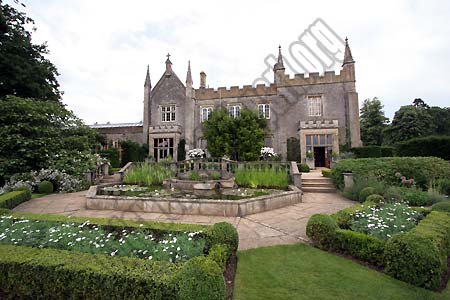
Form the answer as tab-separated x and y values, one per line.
366	192
222	233
321	229
441	206
201	278
375	198
45	187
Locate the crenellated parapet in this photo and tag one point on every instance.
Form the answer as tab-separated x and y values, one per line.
235	91
319	124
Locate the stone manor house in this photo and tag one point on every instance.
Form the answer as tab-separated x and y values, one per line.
318	112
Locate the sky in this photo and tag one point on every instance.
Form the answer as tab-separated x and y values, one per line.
102	48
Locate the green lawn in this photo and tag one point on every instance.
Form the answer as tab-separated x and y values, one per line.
303	272
36	195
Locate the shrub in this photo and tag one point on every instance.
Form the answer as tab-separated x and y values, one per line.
419	257
223	233
148	174
442	206
443	185
219	254
413	259
303	168
344	217
202	278
293	149
45	187
194	176
262	178
422	169
132	151
375	198
326	173
53	274
360	245
366	192
373	151
216	176
321	229
354	191
12	199
393	194
425	146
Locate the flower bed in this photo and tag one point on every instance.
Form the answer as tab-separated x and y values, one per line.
87	238
410	244
385	221
160	192
124	259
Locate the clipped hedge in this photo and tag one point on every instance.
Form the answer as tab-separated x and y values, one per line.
437	146
222	233
366	192
201	278
419	256
422	169
360	245
442	206
303	168
12	199
373	151
45	187
33	273
321	229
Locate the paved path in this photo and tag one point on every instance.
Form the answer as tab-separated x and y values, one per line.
281	226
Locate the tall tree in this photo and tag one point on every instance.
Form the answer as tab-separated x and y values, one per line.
373	122
25	71
441	119
42	134
409	122
240	138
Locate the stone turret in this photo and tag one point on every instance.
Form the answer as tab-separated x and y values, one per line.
348	71
348	65
189	75
147	105
278	68
189	115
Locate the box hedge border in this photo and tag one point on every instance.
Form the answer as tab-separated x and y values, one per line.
12	199
418	257
60	274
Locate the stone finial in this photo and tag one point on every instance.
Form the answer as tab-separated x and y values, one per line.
147	78
348	59
202	79
279	65
168	64
188	75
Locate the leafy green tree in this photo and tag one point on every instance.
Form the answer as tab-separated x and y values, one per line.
373	122
410	122
25	71
132	151
441	119
240	138
42	134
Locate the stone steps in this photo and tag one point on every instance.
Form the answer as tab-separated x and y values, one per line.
109	179
318	185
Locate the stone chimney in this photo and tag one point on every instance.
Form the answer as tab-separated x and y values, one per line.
202	79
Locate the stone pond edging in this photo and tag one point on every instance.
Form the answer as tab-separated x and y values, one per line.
206	207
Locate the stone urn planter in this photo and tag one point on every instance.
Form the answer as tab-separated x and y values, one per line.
310	163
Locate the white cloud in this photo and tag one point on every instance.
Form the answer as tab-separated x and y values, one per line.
102	48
